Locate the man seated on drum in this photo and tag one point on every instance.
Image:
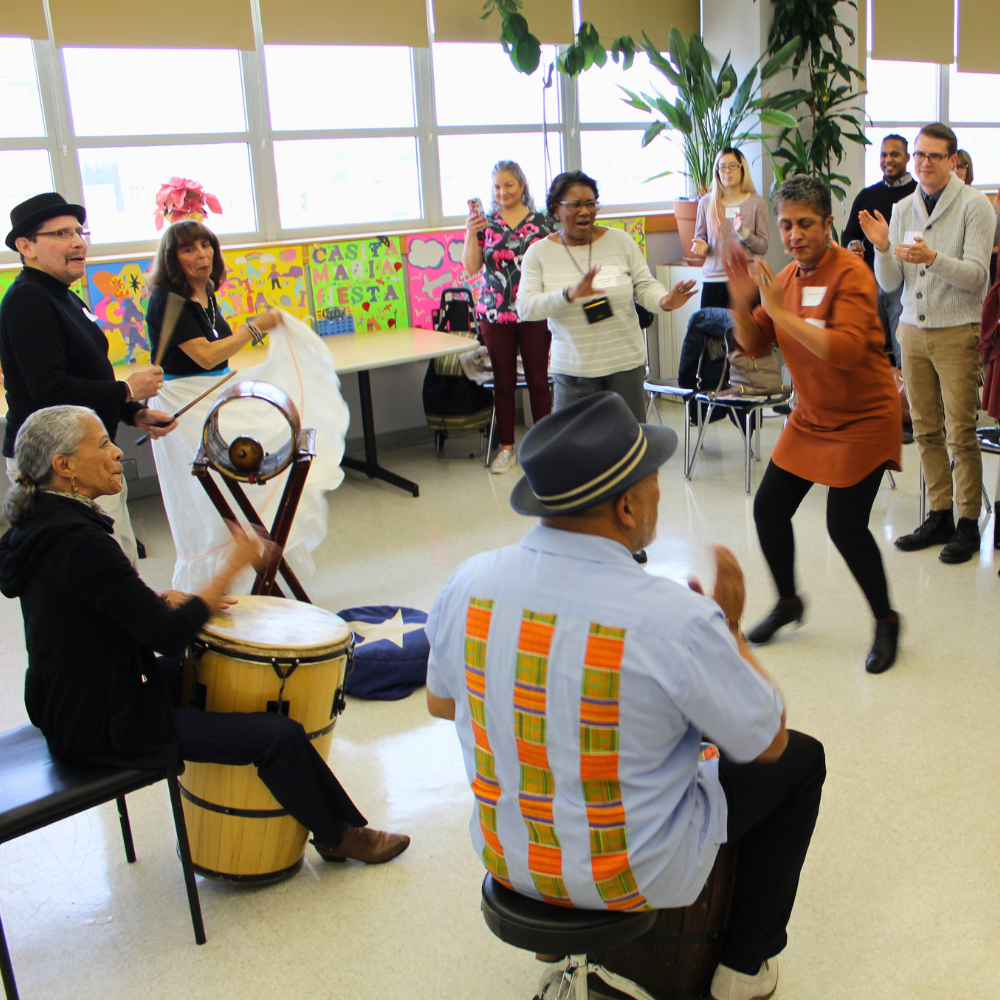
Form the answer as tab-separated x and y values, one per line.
581	687
93	685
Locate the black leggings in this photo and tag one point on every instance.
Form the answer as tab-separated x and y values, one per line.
847	512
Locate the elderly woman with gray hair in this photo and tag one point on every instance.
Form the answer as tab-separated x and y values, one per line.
844	432
94	686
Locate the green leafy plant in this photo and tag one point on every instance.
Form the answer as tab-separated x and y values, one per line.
828	112
524	49
711	111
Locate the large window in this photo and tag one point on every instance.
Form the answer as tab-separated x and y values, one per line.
301	141
25	164
904	96
167	123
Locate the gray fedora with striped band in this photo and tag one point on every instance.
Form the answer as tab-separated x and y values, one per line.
585	454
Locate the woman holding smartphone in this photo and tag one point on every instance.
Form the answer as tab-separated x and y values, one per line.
495	244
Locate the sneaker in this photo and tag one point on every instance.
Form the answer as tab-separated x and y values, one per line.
502	463
728	984
938	529
964	544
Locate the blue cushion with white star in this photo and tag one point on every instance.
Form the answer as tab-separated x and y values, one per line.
390	656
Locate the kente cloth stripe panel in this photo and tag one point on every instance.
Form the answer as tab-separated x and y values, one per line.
599	770
537	785
485	786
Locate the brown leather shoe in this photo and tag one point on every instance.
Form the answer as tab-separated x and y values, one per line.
362	843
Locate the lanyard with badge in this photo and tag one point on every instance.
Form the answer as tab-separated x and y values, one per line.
596	309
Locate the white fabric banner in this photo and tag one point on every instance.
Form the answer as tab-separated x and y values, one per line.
299	363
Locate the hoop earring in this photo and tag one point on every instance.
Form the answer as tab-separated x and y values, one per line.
72	484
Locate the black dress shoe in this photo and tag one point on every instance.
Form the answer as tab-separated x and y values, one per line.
640	557
782	614
883	653
938	529
964	544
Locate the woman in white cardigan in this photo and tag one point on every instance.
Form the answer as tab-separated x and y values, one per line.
583	280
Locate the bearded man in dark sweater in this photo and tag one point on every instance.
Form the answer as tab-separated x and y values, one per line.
51	349
895	185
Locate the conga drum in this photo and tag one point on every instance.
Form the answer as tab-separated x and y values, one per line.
265	654
676	958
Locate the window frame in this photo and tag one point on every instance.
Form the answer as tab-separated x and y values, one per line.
64	147
944	116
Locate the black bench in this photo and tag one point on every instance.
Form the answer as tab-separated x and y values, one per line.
37	789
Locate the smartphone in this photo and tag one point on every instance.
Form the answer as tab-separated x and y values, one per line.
476	206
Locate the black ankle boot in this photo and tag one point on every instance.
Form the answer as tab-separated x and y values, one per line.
782	614
936	530
964	543
883	654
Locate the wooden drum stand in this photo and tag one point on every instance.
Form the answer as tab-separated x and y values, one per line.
244	461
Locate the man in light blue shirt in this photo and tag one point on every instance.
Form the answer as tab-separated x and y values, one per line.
581	687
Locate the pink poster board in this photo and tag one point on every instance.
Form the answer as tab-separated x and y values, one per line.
435	263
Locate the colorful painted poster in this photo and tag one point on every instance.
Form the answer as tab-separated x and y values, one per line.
7	279
358	285
435	263
118	298
262	278
635	227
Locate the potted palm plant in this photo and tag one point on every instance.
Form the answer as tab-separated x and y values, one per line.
711	111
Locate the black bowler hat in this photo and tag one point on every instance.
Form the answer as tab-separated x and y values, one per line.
591	451
34	211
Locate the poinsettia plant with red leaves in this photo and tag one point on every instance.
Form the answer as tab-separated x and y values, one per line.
181	198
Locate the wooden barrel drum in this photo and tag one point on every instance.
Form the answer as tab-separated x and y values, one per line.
265	654
677	958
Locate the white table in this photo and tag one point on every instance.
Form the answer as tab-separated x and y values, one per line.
360	353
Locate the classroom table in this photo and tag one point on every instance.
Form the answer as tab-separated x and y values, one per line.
360	353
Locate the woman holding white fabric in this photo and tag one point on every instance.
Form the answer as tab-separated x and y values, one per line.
190	263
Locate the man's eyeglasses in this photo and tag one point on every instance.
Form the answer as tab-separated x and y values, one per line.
578	206
67	234
933	157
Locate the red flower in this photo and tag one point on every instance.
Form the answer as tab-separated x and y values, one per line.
180	197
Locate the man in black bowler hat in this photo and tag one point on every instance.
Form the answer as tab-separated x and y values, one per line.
581	687
51	349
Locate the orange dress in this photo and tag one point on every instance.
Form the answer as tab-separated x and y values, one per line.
847	420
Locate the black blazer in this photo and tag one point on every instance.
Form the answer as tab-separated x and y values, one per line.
91	626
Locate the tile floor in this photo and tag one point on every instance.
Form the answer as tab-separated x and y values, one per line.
900	896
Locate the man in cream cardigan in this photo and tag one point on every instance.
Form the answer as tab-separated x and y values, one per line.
937	246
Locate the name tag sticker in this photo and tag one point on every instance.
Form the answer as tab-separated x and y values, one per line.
812	296
732	211
89	315
821	323
912	235
612	274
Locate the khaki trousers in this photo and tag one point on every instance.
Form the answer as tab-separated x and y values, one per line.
941	372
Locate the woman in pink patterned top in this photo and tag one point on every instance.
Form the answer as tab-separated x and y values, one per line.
495	245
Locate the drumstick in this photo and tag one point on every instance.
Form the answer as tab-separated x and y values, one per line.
171	314
194	402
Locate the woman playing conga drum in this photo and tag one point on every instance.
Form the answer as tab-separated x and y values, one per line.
94	685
